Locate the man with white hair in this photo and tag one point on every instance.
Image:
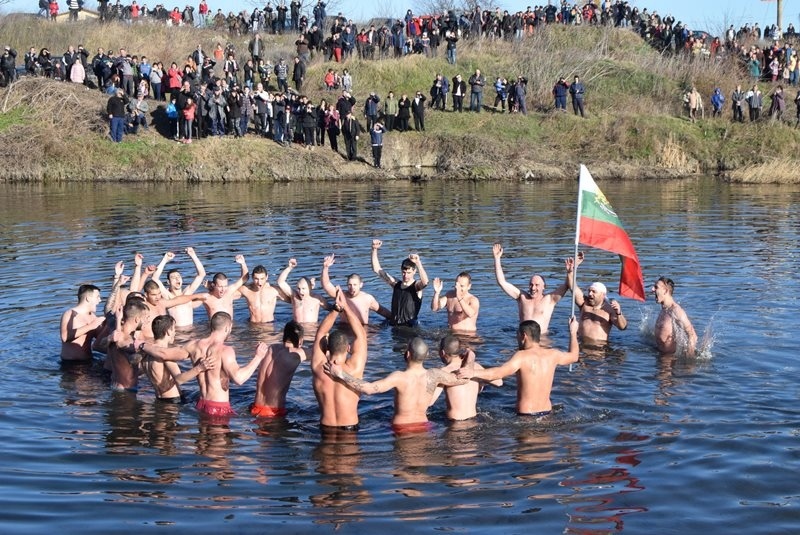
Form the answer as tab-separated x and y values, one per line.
597	314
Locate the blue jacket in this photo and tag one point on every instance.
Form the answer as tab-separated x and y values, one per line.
717	99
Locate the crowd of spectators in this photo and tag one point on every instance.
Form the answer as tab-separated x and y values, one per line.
228	92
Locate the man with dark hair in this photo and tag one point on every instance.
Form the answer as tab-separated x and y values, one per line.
534	366
276	372
414	387
214	399
166	376
124	347
261	297
462	399
183	314
338	404
673	324
406	292
80	324
159	306
220	295
298	74
305	303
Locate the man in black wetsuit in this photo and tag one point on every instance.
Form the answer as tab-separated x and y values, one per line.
406	292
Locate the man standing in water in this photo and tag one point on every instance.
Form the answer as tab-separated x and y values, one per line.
261	297
338	404
183	314
534	304
214	390
462	307
360	302
124	355
276	372
220	295
414	387
534	366
672	316
305	303
597	314
406	292
79	325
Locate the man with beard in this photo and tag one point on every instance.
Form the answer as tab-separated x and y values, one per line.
597	314
305	303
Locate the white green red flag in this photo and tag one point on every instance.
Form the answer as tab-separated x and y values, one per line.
599	227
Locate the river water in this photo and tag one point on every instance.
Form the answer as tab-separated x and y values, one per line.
641	444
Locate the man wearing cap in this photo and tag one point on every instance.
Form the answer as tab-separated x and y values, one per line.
597	314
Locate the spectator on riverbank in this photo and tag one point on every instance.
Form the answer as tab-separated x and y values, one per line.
115	108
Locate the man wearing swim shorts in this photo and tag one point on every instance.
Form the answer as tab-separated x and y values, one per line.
414	387
276	372
338	404
534	366
406	292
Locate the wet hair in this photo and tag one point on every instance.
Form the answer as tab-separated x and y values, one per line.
668	283
218	277
466	275
150	286
407	263
134	309
531	329
220	320
293	332
449	345
171	271
162	324
354	276
259	269
417	349
85	289
337	342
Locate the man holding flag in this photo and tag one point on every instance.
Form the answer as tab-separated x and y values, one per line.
598	226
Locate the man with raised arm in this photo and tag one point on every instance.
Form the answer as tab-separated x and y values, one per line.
80	324
305	303
534	304
406	292
183	314
166	376
276	372
124	349
534	367
360	302
261	297
414	387
158	306
462	399
221	295
671	320
462	307
214	383
598	315
338	404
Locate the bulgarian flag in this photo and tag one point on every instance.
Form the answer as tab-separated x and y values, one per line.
598	226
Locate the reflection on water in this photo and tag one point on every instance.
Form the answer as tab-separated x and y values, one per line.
633	433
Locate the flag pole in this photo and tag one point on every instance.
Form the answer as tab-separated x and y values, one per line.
577	237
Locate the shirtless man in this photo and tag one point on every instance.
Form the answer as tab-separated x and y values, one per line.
597	314
80	324
406	292
414	387
167	376
276	372
305	303
183	314
462	307
214	394
338	405
123	357
462	400
360	302
534	367
672	317
159	306
221	295
534	304
261	297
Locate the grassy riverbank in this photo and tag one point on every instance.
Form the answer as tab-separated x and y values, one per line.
635	128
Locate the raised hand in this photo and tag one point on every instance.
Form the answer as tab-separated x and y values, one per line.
437	285
376	244
329	260
497	250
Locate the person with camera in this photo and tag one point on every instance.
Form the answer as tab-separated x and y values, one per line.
418	111
371	110
8	65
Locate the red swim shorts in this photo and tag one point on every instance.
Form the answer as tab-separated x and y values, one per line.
417	427
267	412
215	408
